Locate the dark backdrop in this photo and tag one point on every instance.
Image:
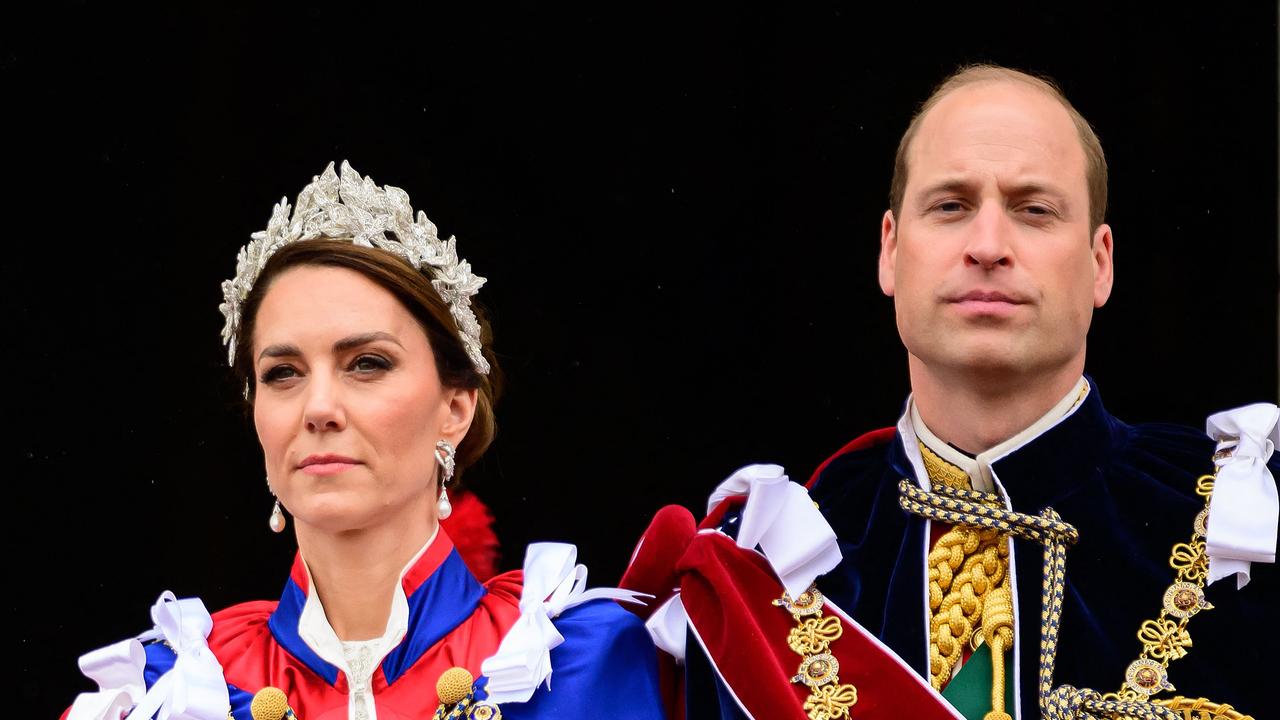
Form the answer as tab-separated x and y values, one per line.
677	212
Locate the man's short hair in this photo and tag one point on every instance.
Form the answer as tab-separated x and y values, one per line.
1095	160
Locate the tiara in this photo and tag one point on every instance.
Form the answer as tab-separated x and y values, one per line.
351	207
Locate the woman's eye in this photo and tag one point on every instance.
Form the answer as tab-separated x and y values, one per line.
277	373
370	363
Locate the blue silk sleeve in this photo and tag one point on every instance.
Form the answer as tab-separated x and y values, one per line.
607	666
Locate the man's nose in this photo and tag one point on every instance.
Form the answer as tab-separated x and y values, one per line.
988	239
323	411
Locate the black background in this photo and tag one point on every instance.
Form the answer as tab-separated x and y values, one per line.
677	211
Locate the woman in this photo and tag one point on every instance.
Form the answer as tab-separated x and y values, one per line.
369	375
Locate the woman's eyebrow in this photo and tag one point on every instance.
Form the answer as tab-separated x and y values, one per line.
355	341
279	350
343	345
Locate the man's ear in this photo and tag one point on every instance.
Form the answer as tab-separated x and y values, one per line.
1103	267
888	252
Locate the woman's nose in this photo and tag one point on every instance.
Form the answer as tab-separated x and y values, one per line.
323	411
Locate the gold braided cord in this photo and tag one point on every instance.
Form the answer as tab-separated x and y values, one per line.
997	630
964	566
1201	709
969	597
973	508
1164	639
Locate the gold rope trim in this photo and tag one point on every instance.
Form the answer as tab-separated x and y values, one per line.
969	597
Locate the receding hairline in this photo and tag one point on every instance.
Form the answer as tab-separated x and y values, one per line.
976	75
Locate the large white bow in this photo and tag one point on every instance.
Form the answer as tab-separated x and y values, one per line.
782	519
553	583
194	689
1244	511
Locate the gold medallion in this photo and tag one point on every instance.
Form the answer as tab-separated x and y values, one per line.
1201	523
808	602
1184	599
485	711
1147	677
818	670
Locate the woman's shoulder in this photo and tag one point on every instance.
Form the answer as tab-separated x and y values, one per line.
139	672
240	627
593	646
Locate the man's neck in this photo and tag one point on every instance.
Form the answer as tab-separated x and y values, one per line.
975	413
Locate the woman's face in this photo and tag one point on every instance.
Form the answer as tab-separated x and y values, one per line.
348	403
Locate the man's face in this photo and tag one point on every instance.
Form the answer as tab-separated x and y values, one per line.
991	264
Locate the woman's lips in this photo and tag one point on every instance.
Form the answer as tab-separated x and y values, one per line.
326	464
328	468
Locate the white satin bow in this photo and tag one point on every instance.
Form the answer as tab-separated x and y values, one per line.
194	689
553	583
781	518
1244	511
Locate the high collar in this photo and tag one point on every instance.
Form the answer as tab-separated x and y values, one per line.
978	467
436	593
1038	466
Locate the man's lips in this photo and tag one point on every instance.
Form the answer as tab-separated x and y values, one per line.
986	303
327	464
990	296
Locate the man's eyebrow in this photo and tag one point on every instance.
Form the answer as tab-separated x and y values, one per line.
953	184
1016	189
1035	187
343	345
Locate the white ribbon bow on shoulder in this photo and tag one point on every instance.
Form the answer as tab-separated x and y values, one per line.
553	583
194	689
781	518
1245	510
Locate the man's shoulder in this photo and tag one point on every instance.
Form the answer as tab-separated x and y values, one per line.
858	468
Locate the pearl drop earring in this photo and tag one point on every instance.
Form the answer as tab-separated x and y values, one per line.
444	456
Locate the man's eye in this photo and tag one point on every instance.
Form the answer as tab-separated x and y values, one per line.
950	206
277	373
370	363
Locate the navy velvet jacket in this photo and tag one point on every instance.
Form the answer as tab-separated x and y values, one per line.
1130	491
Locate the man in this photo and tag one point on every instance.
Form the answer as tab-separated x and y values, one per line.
1009	549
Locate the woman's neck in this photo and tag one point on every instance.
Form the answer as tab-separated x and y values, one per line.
355	572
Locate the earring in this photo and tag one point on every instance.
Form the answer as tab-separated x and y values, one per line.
444	456
277	521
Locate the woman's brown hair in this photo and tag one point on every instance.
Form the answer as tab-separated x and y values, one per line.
413	289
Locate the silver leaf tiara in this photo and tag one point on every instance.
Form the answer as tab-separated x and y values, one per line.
354	208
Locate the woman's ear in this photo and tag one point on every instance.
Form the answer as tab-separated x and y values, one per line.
460	404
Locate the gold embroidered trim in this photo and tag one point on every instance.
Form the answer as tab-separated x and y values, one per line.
941	471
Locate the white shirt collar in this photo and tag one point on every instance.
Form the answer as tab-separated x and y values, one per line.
912	427
318	634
